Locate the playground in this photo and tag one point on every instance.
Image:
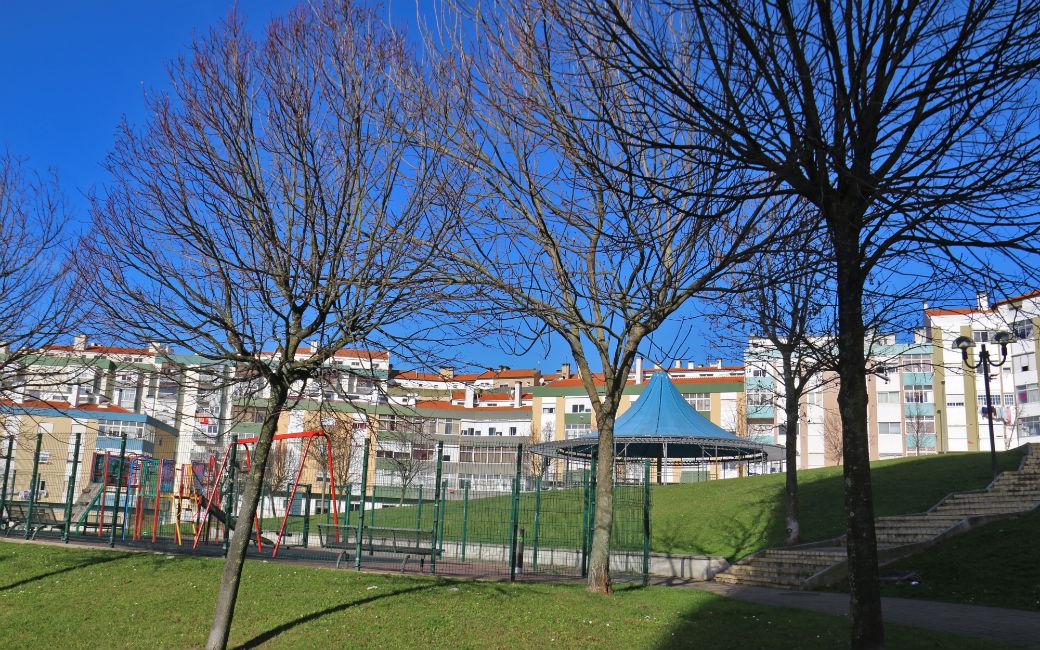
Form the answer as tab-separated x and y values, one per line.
539	527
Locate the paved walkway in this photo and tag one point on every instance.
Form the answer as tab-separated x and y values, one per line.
993	623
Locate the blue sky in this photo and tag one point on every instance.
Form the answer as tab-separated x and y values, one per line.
72	70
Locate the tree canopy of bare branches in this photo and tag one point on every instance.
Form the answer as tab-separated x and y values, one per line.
270	201
910	126
565	233
40	299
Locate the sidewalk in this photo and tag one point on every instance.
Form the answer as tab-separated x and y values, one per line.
993	623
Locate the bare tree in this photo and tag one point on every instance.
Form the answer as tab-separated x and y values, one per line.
406	446
39	292
910	126
271	201
790	314
565	236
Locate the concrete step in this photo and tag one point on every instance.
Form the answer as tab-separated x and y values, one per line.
778	571
728	578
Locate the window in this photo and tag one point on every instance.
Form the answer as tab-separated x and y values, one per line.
889	428
493	432
955	402
759	398
571	431
45	456
994	399
579	408
548	409
920	433
699	401
116	428
1022	362
917	363
1022	329
917	394
1009	399
473	454
1027	394
1029	426
980	336
888	397
758	371
761	433
512	431
815	399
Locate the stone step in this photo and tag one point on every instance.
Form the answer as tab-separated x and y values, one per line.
728	578
777	571
794	563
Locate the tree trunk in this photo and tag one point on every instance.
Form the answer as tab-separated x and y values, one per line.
867	631
793	532
236	554
599	558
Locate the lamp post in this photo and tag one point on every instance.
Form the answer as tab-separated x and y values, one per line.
964	343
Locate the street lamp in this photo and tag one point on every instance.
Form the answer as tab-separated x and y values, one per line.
964	343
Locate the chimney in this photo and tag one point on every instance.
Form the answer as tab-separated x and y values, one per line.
982	299
79	342
502	368
536	378
446	373
565	370
678	364
516	395
155	349
718	364
639	370
691	365
470	398
314	346
74	399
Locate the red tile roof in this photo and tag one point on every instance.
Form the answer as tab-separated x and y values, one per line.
355	354
100	349
439	404
65	406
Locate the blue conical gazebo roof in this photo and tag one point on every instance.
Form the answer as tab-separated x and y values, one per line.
662	411
661	424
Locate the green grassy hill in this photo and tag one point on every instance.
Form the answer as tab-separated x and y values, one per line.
736	517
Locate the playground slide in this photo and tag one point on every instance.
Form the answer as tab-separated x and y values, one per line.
86	500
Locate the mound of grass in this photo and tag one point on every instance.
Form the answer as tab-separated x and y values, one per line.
61	597
995	565
737	517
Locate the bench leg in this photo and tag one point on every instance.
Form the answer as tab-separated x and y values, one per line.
404	562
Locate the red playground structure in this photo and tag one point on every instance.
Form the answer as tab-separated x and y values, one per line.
212	497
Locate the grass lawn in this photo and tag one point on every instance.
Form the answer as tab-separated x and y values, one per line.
62	597
995	565
736	517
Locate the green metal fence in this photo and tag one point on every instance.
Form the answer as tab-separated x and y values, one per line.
529	523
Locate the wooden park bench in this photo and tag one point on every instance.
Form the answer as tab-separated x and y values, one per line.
44	515
409	542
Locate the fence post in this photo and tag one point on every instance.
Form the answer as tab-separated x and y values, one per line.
346	515
306	514
72	490
361	509
119	491
418	515
584	520
7	471
537	516
436	507
444	515
465	516
515	524
646	522
32	484
229	503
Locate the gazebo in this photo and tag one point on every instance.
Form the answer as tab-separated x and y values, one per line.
661	426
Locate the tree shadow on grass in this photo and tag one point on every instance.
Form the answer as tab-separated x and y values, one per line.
264	637
82	565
